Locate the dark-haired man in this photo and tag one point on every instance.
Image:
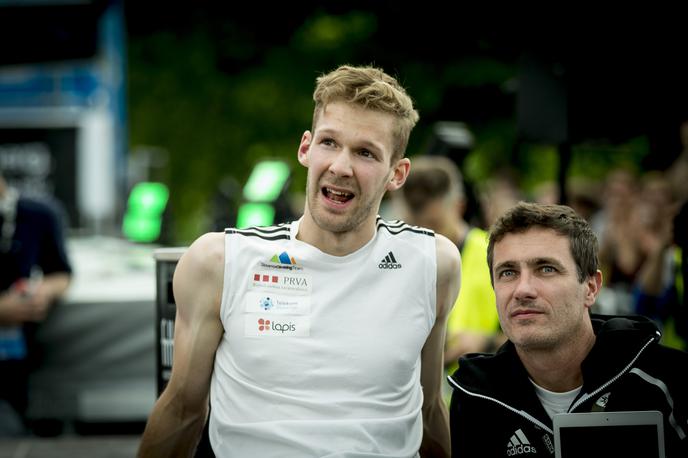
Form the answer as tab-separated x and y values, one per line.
559	358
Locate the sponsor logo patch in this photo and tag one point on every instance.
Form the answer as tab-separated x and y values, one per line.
282	261
272	303
283	258
282	281
277	326
389	262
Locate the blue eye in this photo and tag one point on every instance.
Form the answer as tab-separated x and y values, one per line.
506	273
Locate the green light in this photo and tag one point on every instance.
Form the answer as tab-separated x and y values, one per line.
266	181
141	228
255	214
148	197
143	219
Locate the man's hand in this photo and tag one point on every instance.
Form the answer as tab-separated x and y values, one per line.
18	306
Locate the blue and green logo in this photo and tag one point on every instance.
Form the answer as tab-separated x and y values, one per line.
283	258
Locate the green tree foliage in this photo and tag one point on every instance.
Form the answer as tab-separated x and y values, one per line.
217	99
220	88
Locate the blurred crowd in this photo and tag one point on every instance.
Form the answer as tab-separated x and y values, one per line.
639	219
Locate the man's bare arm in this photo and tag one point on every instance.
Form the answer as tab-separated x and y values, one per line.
436	438
178	417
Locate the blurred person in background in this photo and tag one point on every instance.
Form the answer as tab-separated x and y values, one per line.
433	197
34	273
547	192
559	357
583	196
325	336
620	253
637	230
498	194
660	291
678	171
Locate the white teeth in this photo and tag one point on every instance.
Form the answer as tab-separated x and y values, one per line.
337	193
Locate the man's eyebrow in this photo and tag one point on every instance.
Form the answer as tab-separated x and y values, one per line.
505	265
545	261
326	131
531	262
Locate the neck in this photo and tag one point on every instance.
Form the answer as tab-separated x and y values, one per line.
457	232
559	369
335	243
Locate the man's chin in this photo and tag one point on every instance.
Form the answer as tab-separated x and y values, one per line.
532	342
335	222
337	225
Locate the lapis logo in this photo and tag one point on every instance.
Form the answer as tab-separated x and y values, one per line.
283	258
266	303
268	326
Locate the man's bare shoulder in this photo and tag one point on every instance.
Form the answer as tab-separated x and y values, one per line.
207	253
202	264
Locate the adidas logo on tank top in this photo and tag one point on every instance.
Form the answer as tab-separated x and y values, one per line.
389	262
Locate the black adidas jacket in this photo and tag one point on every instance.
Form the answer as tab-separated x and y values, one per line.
495	411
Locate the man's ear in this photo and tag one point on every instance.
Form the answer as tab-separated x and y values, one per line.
304	146
399	174
594	284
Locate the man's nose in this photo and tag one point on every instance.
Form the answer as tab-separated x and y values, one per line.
341	163
525	288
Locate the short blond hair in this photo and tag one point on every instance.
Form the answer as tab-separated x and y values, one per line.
370	88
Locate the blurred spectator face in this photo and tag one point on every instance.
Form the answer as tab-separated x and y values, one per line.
620	187
657	191
653	208
620	191
547	193
644	215
498	197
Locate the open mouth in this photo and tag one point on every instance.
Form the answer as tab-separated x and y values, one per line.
337	196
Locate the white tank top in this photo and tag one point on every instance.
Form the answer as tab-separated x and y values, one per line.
321	354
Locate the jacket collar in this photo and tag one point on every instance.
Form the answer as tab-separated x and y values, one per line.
502	376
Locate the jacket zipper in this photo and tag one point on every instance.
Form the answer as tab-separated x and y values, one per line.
523	414
585	397
581	400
